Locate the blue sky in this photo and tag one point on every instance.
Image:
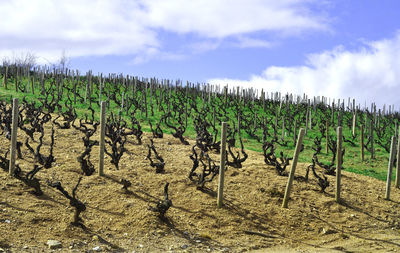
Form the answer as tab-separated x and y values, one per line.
335	48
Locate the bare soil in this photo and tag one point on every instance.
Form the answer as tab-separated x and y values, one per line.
251	220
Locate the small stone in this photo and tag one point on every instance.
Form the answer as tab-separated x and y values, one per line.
140	245
25	247
184	246
97	249
7	221
327	231
198	241
54	244
125	234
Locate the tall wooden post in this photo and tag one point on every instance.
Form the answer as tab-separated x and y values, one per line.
362	142
102	137
338	163
5	77
371	129
390	167
222	166
398	162
327	136
14	129
293	168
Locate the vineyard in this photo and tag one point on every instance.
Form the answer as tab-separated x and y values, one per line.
155	186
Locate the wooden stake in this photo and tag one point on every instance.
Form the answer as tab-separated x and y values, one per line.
222	166
338	163
102	137
14	129
327	136
293	168
371	129
390	167
398	162
362	142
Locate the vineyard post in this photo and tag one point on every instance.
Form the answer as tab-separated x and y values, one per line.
327	136
295	131
362	142
263	99
16	79
101	87
29	81
293	168
398	162
5	77
222	165
238	123
186	114
338	163
307	115
371	132
145	98
354	124
390	167
255	121
226	95
14	128
87	87
102	137
276	124
283	129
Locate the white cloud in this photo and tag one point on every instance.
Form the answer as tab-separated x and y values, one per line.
247	42
120	27
222	18
371	73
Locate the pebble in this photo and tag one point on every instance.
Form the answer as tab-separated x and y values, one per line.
198	241
327	231
7	221
97	249
54	244
184	246
140	245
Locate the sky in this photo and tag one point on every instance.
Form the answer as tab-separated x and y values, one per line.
332	48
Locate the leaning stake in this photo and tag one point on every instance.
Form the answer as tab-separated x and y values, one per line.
14	129
390	167
222	166
293	168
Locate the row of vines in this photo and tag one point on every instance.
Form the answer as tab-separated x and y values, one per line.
259	120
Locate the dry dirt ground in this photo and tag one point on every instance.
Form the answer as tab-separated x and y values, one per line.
251	220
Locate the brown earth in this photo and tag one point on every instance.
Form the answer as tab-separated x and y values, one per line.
251	220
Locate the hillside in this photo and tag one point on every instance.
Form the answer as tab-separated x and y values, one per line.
251	219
